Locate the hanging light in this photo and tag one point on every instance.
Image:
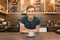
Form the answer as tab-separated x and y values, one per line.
52	1
32	1
42	1
22	1
0	6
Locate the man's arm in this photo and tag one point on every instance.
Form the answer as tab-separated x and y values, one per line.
23	29
37	28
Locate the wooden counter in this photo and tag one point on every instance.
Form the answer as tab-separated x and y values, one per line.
19	36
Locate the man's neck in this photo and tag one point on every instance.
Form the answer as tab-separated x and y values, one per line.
30	19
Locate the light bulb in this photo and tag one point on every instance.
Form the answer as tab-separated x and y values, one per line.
52	1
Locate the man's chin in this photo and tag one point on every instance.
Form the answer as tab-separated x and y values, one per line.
30	16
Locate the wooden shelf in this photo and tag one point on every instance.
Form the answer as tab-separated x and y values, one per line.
51	13
2	12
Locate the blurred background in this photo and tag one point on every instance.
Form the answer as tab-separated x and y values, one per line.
11	12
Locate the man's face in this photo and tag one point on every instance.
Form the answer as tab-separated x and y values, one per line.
30	12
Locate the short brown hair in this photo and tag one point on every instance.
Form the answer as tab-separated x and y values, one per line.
30	6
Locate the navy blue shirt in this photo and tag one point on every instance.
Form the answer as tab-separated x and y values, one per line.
32	24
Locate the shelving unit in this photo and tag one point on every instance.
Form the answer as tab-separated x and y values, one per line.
49	13
3	12
4	7
39	7
57	6
52	7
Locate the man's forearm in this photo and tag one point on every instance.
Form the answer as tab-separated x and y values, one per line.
24	31
28	30
35	30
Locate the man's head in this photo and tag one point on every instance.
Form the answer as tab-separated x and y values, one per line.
30	11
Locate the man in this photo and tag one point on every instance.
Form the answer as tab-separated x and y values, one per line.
30	23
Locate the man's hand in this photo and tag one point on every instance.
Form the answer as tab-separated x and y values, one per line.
25	30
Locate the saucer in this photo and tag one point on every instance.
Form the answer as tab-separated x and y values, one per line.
31	35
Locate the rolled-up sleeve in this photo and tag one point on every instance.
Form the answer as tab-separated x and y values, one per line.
37	21
23	21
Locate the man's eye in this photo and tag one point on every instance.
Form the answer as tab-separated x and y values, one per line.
30	11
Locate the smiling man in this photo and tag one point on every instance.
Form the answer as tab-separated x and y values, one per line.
30	23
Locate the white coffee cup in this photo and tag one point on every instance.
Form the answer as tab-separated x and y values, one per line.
31	33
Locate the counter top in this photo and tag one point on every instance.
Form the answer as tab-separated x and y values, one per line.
19	36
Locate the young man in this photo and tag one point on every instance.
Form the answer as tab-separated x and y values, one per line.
30	23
